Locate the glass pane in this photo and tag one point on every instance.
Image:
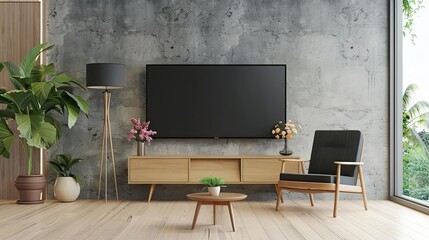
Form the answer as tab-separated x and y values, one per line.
415	175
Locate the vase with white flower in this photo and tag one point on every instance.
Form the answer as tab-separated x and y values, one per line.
285	131
141	134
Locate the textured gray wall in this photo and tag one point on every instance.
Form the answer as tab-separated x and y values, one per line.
336	52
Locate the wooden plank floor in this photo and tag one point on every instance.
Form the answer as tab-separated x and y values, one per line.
88	219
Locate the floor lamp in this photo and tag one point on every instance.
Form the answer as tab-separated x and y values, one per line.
106	76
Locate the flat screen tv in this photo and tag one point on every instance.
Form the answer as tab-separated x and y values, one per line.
215	101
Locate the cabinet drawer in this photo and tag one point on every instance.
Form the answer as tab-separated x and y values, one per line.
264	169
228	169
149	170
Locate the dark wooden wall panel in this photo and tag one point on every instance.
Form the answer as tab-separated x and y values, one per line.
19	32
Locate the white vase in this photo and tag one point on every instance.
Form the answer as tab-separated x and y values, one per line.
214	191
66	189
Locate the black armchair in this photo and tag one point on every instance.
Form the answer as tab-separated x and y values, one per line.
335	166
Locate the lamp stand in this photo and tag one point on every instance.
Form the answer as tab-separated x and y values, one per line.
107	137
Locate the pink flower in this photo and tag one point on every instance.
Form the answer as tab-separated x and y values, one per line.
134	121
140	131
150	132
131	137
146	124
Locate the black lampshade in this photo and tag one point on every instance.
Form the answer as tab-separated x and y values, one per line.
105	75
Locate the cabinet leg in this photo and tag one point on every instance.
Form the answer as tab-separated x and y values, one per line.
152	188
311	199
277	192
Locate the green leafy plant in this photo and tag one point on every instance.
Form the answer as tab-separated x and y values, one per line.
415	145
212	182
414	116
62	165
409	9
415	172
40	97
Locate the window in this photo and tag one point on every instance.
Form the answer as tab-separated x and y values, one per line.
410	101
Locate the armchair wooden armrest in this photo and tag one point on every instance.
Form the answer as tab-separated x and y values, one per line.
356	164
292	160
350	163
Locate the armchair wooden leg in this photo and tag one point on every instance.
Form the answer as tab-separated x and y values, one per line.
311	199
279	193
337	190
337	194
362	184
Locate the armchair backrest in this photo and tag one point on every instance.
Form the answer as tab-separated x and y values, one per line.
330	146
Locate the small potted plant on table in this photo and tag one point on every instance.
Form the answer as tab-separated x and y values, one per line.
213	185
67	184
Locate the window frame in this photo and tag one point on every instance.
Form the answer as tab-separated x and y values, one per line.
395	98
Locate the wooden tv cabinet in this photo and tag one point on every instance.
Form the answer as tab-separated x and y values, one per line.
261	169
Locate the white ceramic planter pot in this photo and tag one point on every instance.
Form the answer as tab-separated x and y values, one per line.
66	189
214	191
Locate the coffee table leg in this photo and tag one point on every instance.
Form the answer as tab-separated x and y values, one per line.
197	211
214	214
231	215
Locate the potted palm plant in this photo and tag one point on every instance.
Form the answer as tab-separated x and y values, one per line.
67	185
32	112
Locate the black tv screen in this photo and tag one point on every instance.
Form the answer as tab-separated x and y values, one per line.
215	101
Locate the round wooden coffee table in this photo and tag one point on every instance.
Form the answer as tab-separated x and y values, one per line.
224	198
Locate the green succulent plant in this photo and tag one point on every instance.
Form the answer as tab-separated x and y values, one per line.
212	182
40	97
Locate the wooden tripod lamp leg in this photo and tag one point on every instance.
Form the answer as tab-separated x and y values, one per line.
107	140
101	161
112	153
106	99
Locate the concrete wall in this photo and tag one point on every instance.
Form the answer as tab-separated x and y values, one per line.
336	52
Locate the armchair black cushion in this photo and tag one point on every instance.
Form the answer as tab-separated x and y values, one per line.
324	178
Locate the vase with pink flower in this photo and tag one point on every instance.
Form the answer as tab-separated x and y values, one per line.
141	134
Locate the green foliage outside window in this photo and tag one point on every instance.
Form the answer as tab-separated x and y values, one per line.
409	8
415	146
415	172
